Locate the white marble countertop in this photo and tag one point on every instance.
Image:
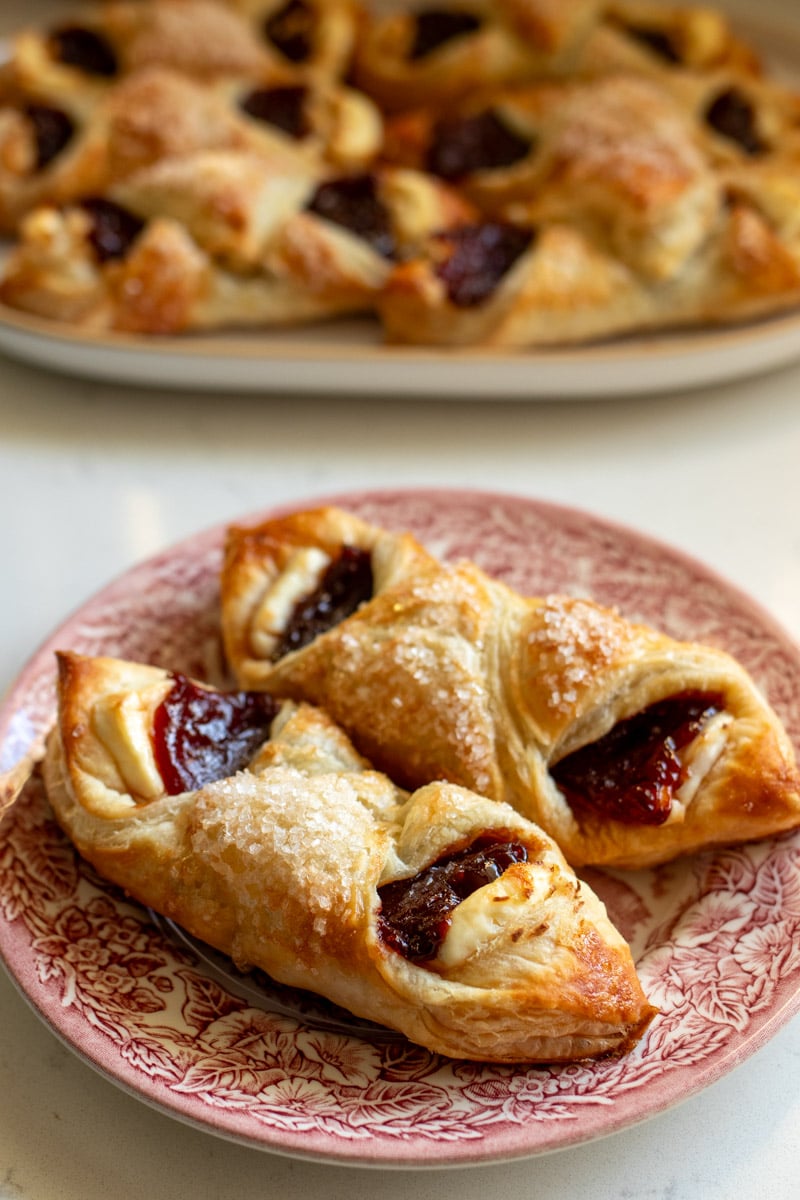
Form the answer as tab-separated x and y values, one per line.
95	477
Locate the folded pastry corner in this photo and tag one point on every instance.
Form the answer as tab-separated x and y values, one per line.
258	827
626	746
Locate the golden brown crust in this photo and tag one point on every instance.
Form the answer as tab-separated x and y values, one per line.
448	673
279	866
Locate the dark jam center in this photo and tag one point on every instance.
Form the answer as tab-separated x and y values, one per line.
283	107
416	913
52	131
632	774
733	115
437	27
290	31
354	203
345	586
483	142
656	40
200	736
113	229
478	256
85	49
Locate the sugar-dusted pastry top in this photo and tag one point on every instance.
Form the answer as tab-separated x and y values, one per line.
626	746
256	825
612	168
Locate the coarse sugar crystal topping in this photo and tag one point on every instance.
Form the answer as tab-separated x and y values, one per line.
286	834
574	639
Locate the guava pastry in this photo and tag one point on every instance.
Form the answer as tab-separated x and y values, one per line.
442	915
438	54
626	746
619	168
55	150
224	238
607	207
91	45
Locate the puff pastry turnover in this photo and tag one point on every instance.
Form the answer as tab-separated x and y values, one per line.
629	167
626	746
224	238
442	915
438	54
55	149
609	205
94	44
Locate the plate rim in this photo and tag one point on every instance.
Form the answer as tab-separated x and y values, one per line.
268	362
357	1154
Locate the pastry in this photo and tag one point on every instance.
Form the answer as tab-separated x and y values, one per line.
619	168
511	284
437	55
224	238
610	205
315	36
52	156
627	747
440	914
91	45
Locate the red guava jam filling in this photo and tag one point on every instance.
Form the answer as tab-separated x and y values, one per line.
436	27
354	204
83	48
416	913
345	586
477	257
53	129
482	142
632	774
200	736
290	31
732	114
283	107
113	228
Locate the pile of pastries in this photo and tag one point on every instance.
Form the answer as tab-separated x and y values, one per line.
391	809
484	172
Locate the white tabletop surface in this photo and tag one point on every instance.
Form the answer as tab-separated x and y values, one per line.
94	477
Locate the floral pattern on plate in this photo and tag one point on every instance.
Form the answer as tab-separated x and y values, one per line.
716	937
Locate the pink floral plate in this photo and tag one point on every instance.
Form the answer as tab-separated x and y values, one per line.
716	937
